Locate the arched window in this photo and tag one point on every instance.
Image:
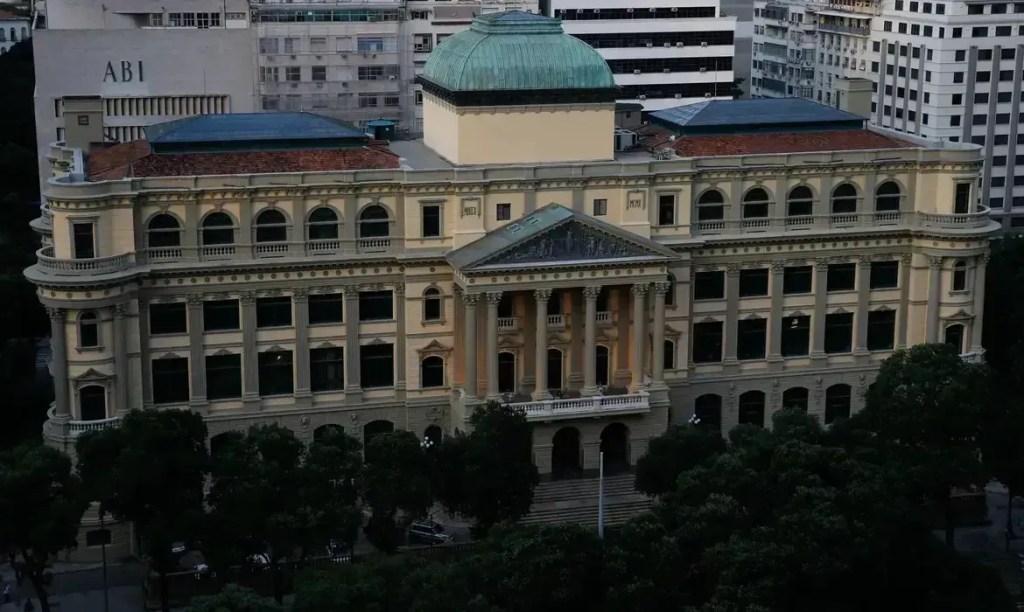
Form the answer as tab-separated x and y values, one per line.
707	410
755	204
795	397
711	206
960	276
844	199
669	355
954	336
163	231
323	224
92	403
88	330
373	222
218	229
432	372
14	35
670	297
887	197
433	434
24	33
800	202
432	305
837	403
271	226
752	408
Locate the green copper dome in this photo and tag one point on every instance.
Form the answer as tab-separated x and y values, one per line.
516	50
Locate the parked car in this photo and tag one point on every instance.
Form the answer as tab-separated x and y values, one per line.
428	531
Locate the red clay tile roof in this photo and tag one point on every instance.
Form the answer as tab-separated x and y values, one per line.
6	15
756	144
133	159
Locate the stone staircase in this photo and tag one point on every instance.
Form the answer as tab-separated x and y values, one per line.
575	501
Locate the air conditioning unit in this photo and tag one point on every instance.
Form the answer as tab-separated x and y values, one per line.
597	10
270	58
292	57
391	77
652	10
666	70
679	96
319	57
704	44
319	85
636	72
295	85
707	95
679	44
642	97
675	9
629	10
703	69
668	45
649	45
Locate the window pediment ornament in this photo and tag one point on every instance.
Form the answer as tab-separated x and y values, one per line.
883	308
434	348
222	353
274	349
753	317
92	374
709	320
796	313
960	315
376	342
840	310
169	355
327	344
508	341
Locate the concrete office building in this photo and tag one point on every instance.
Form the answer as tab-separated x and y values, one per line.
663	52
942	70
285	268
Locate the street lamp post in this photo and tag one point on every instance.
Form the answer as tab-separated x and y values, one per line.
600	496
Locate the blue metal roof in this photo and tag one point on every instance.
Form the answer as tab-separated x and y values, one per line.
380	123
248	127
757	115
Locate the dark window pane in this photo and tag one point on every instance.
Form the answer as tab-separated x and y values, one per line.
274	312
708	411
707	342
223	377
795	398
85	247
92	403
666	209
754	282
962	203
751	336
170	380
796	335
885	274
377	365
327	369
432	306
432	372
837	403
220	315
431	221
168	318
797	280
751	408
375	306
326	308
881	329
708	285
841	277
88	330
838	332
275	373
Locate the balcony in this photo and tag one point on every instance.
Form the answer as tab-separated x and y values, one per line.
844	29
82	267
604	318
556	321
77	428
506	324
599	405
43	224
864	220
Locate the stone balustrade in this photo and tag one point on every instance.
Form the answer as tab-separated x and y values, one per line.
598	405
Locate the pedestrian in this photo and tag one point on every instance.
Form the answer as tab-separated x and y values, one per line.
8	589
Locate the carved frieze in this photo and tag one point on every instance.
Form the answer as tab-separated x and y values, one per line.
568	242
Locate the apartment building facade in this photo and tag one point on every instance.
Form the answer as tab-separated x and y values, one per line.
13	29
943	70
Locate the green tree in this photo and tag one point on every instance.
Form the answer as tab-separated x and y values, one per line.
41	505
234	598
488	474
330	499
396	476
150	471
681	447
926	407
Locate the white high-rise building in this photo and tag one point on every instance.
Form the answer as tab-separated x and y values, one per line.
663	53
944	70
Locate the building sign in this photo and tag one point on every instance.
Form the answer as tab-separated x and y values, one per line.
124	71
634	199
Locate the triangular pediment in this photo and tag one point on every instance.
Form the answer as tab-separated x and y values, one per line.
555	235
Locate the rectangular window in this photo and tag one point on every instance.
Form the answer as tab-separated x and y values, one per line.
881	330
709	285
503	212
600	207
754	283
85	245
376	306
223	376
431	220
377	365
319	73
170	380
751	335
962	201
168	318
327	369
293	73
326	308
275	373
220	315
707	342
796	336
841	277
839	332
885	274
666	209
797	280
274	312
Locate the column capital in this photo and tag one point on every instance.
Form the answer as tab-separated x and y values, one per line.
662	288
194	300
493	298
906	258
56	314
821	263
300	294
400	289
592	292
778	266
984	258
864	261
470	299
935	261
542	295
247	297
639	289
351	291
120	309
732	269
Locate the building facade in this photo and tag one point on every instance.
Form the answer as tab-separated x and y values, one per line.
941	70
13	29
301	274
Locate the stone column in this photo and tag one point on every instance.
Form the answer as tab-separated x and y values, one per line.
860	316
979	304
300	298
776	272
540	389
639	336
934	289
732	309
400	361
470	300
658	335
493	299
59	356
590	341
904	311
820	304
250	360
196	355
120	358
353	384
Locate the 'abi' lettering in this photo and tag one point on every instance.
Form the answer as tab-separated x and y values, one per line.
123	71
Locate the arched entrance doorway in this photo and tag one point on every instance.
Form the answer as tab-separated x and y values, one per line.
603	362
432	435
372	430
506	373
615	446
554	369
325	431
565	454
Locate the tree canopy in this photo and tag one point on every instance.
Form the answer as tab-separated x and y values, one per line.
396	477
668	455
